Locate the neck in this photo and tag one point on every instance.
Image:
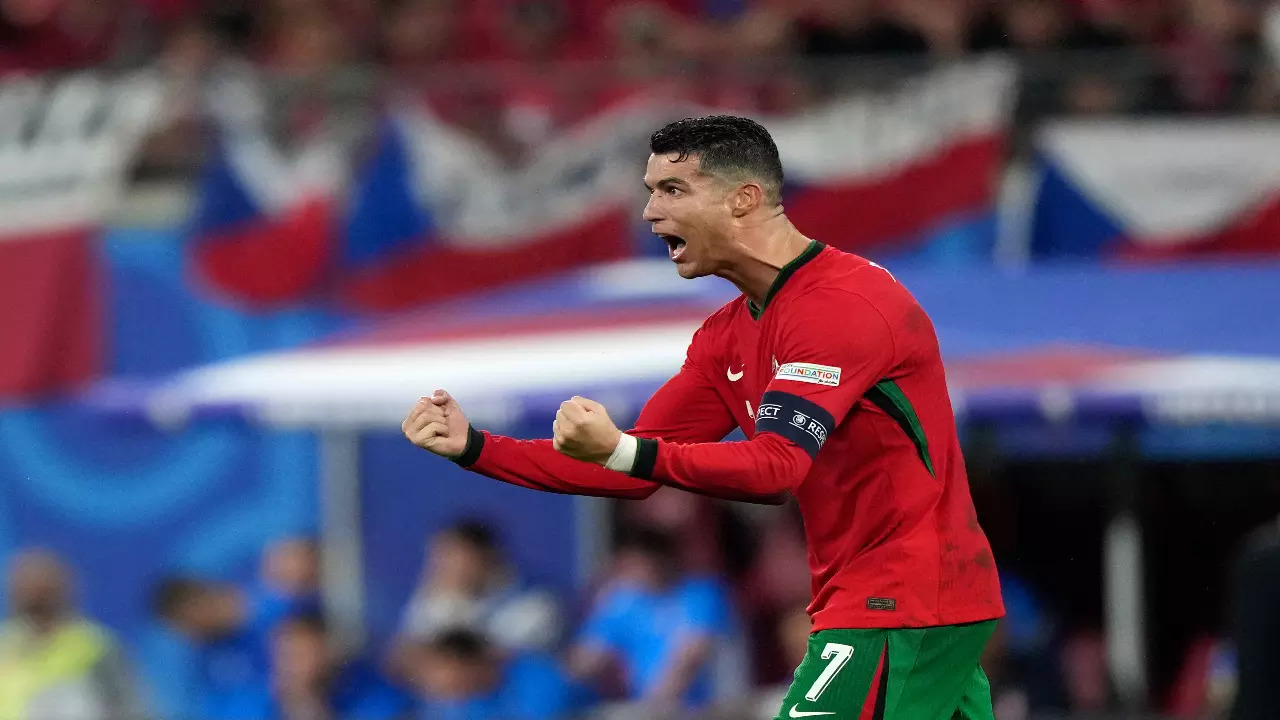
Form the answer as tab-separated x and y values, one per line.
45	624
235	609
764	251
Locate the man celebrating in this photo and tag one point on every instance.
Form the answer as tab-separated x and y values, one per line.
833	371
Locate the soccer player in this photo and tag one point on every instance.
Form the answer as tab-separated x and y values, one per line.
832	369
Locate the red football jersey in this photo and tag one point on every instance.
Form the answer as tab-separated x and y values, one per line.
838	382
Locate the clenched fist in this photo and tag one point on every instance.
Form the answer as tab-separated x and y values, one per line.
437	424
583	431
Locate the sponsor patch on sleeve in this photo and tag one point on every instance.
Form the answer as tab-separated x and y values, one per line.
809	373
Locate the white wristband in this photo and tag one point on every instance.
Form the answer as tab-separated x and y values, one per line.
623	458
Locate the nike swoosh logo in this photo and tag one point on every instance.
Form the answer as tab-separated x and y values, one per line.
734	376
797	713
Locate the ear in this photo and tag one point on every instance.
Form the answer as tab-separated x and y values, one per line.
745	199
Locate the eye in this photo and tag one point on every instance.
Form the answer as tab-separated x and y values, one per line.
675	192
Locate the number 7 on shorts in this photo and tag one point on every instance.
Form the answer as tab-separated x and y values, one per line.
838	654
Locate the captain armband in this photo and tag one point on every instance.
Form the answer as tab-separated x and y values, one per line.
801	421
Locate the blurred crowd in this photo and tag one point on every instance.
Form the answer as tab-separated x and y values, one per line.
698	614
701	607
515	70
309	35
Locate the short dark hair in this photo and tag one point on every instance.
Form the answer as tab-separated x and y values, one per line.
461	644
476	533
652	542
311	621
725	145
172	594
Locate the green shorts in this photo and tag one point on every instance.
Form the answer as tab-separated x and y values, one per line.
908	674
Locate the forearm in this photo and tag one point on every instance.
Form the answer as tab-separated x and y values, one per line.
587	663
535	464
761	469
682	671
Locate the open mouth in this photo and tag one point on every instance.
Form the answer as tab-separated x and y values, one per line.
675	246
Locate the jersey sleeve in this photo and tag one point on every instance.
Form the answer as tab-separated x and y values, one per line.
707	609
686	408
606	624
536	689
836	346
825	366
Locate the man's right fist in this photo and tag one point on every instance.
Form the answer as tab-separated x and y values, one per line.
436	423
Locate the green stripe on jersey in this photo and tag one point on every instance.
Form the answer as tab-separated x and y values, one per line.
889	397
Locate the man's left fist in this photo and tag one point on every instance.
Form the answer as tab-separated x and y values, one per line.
583	431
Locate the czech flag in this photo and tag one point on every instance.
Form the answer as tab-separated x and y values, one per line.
263	229
1147	190
64	149
435	213
894	175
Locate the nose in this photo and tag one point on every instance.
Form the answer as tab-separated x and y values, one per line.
651	213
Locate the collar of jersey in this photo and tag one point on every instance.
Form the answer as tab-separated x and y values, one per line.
784	275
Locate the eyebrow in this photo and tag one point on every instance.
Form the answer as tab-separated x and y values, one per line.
666	181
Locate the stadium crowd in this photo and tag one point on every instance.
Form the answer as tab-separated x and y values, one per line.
304	35
700	599
513	71
699	613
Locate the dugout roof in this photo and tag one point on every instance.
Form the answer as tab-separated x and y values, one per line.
1159	345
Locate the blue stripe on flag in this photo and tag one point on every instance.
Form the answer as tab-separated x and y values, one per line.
385	214
1066	223
223	200
960	241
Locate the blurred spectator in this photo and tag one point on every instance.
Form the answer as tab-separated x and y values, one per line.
793	635
189	53
1271	32
1038	33
421	36
1204	52
855	27
1084	666
537	31
1135	21
461	676
230	629
303	37
643	46
944	24
310	683
1091	93
1047	25
1256	626
1265	91
467	583
828	35
291	570
1206	681
419	33
1022	658
665	629
739	56
54	664
707	533
792	640
39	35
777	582
536	100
